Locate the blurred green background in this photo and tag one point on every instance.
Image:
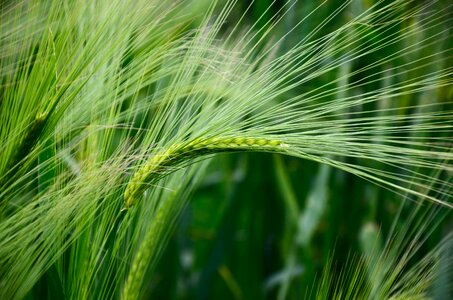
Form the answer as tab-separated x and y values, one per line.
264	226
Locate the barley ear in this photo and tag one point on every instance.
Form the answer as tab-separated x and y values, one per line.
157	166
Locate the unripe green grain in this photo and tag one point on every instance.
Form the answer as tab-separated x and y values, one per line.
155	167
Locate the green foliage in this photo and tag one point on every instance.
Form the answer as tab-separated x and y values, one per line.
104	102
